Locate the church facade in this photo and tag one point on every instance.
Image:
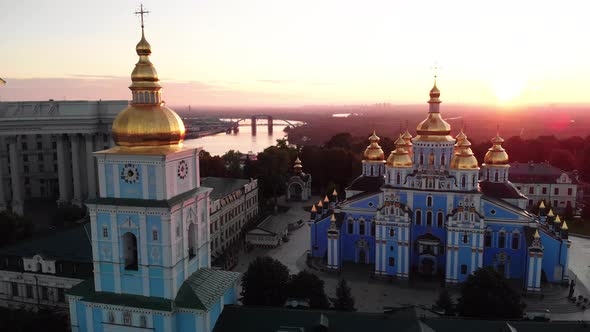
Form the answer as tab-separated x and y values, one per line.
150	226
430	209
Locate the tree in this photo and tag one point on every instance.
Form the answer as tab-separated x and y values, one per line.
487	294
211	165
445	302
13	228
232	164
306	285
265	282
344	300
66	215
20	320
341	140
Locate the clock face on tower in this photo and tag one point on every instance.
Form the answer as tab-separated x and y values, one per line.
130	174
182	170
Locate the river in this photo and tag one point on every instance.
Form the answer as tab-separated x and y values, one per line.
242	141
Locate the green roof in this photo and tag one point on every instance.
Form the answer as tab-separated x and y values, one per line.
204	287
200	291
138	202
71	245
223	186
86	291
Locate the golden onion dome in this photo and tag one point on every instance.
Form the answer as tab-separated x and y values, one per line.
496	155
464	157
373	152
399	157
146	121
564	226
407	137
297	163
434	128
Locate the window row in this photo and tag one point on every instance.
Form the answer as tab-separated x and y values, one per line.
502	240
429	218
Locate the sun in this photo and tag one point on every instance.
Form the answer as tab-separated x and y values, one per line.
508	89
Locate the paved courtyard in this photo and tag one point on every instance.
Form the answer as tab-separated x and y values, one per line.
372	295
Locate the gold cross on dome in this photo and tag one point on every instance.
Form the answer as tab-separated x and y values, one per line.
141	12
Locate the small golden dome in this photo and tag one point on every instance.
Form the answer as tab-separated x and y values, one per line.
313	209
399	157
148	125
542	205
334	193
464	158
326	200
374	151
557	219
407	136
496	155
434	94
333	218
537	234
320	204
146	121
550	213
297	163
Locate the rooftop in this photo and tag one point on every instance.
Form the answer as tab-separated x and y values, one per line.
535	173
223	187
72	245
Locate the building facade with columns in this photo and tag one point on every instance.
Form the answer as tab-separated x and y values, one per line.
46	149
150	225
430	209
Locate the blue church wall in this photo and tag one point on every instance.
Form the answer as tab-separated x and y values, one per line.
110	182
185	322
97	319
214	313
230	296
491	210
367	203
319	237
554	257
107	281
152	182
81	313
131	284
156	281
130	190
158	321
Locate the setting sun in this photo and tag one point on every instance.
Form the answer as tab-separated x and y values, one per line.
507	89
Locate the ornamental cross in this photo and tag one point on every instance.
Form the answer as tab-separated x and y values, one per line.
435	68
141	12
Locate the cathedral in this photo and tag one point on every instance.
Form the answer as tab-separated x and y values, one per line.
150	225
431	209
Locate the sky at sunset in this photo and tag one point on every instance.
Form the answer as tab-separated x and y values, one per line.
292	53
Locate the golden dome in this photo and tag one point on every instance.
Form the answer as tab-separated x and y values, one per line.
146	121
557	219
374	151
148	125
434	128
313	209
536	236
399	157
550	213
298	163
464	158
564	226
496	155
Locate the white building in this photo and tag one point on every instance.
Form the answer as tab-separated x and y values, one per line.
542	181
234	205
269	233
37	273
46	149
299	184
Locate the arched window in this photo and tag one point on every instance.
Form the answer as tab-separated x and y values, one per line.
431	159
429	218
111	317
192	241
421	159
350	227
373	228
130	245
442	160
440	219
496	176
502	240
418	217
154	235
429	201
487	242
515	240
473	180
398	179
463	181
391	261
362	227
127	318
39	267
465	238
391	232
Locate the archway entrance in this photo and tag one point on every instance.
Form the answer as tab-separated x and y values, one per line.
130	245
362	256
428	266
295	192
192	240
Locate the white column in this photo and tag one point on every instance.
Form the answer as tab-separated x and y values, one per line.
530	272
76	168
64	196
90	165
16	178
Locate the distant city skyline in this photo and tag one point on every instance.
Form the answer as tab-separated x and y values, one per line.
279	53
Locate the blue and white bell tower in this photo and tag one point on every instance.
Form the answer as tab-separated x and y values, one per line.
150	225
